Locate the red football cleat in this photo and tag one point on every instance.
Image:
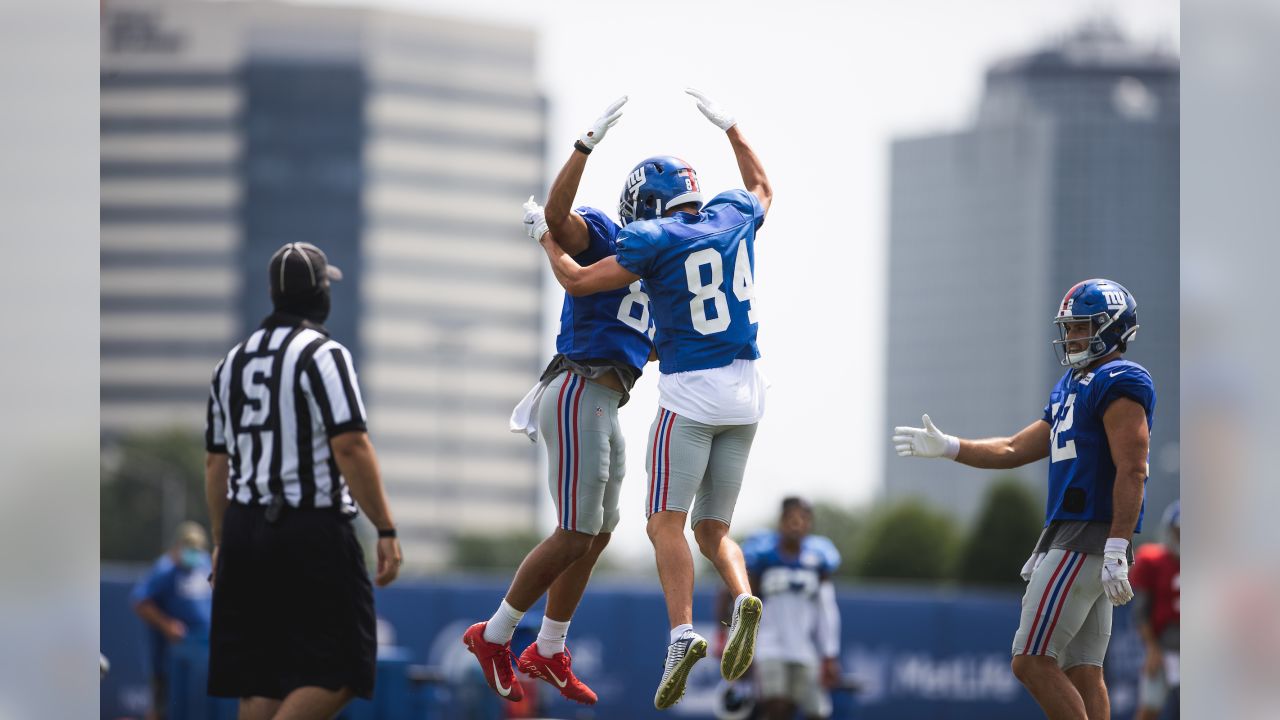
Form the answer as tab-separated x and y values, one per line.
556	670
495	660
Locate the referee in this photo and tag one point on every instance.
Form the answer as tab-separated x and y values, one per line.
292	630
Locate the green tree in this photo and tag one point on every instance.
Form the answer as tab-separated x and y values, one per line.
906	541
150	483
844	528
493	552
1002	537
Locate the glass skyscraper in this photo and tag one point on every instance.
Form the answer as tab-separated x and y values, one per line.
402	145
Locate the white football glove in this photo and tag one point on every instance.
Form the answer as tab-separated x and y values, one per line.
535	221
716	114
596	132
1029	568
928	441
1115	571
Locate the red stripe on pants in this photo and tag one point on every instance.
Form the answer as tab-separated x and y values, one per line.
1048	590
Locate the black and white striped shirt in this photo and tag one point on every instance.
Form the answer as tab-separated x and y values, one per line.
274	402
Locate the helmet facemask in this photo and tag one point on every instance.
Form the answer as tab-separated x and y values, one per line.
1093	345
629	201
1096	345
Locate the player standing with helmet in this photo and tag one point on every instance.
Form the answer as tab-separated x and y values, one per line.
698	264
1096	433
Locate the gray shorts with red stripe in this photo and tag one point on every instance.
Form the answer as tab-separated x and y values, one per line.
696	466
586	455
1065	613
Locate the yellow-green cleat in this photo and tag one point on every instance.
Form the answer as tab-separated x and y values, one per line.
681	655
740	648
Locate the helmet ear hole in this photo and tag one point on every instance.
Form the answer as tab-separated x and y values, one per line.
1129	334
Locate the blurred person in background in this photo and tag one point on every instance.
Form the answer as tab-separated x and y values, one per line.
174	600
1157	593
798	651
601	349
698	265
293	632
1096	432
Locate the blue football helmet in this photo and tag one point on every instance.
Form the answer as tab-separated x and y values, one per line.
1112	312
656	185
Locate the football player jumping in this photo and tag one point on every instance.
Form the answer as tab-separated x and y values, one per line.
698	262
602	346
1096	433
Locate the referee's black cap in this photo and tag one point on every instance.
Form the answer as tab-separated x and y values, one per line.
300	270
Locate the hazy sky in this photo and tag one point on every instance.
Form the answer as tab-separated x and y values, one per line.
819	89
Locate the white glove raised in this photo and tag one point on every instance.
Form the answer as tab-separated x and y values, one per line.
535	221
716	114
1115	571
596	132
928	441
1029	568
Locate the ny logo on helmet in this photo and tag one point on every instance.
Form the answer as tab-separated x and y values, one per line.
635	180
1115	299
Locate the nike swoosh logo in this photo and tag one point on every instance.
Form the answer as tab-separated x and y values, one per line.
557	680
503	691
1115	373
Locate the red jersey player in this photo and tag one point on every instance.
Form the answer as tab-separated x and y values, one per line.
1155	580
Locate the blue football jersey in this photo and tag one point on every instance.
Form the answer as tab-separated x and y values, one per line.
613	325
1081	471
699	271
781	574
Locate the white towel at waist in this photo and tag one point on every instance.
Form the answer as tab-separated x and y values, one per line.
524	418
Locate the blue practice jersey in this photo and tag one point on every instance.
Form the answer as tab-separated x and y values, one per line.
781	574
613	325
1081	471
699	271
180	591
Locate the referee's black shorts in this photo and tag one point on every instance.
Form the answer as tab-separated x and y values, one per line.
292	606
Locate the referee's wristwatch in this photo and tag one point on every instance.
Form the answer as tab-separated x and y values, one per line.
386	532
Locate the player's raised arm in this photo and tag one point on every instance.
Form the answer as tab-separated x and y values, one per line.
577	280
567	227
753	177
1029	445
600	276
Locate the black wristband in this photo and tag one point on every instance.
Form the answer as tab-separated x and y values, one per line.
581	147
387	533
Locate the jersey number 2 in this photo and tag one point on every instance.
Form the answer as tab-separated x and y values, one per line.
1067	450
743	289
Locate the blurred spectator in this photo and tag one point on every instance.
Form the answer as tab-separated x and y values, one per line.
1157	594
174	600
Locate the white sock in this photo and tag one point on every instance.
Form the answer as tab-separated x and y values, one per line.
678	631
551	637
503	624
